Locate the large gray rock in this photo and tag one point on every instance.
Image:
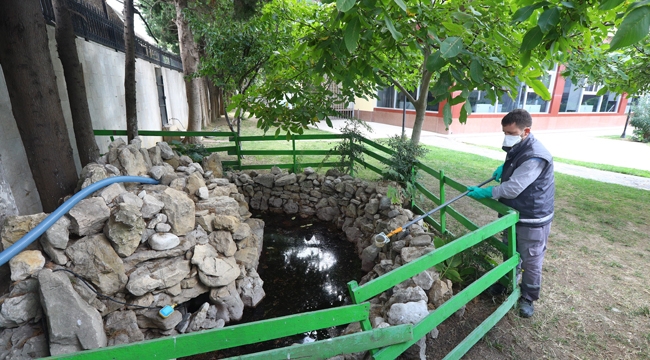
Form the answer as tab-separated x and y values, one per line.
251	289
225	222
220	205
146	255
214	270
95	259
58	234
91	174
112	191
413	252
157	274
73	325
285	180
15	227
130	199
150	206
222	242
17	310
25	342
25	264
124	229
265	180
228	302
194	183
122	328
179	209
408	313
213	163
441	291
409	294
241	232
166	151
132	161
88	216
328	213
150	319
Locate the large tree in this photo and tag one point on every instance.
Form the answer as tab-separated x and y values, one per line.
447	48
35	101
75	83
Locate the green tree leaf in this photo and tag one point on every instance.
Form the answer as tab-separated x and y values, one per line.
609	4
446	114
401	4
389	24
532	38
549	19
523	14
453	275
438	242
451	47
476	71
539	88
524	59
435	62
634	27
345	5
351	36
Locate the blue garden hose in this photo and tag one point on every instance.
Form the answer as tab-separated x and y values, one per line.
29	238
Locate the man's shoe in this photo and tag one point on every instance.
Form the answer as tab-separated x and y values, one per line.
526	308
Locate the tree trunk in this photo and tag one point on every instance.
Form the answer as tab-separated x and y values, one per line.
222	107
189	56
35	102
205	108
213	97
421	105
75	84
129	72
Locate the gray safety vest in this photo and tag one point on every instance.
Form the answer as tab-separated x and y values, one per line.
536	203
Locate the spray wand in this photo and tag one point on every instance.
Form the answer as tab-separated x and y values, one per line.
382	239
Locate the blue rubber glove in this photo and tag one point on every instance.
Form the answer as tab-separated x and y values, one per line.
479	193
497	173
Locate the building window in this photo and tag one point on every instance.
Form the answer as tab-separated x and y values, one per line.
578	98
390	98
386	97
524	98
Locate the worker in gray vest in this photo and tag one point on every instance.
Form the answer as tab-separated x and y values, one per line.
528	186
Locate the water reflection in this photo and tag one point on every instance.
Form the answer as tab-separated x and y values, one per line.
305	266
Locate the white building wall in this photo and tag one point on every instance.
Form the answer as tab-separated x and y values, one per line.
104	77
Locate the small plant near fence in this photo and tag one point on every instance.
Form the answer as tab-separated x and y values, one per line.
351	146
196	152
641	120
402	164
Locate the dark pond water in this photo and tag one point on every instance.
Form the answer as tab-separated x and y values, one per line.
305	265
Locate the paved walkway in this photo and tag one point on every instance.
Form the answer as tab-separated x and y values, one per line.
584	145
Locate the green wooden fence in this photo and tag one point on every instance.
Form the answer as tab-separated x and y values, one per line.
385	343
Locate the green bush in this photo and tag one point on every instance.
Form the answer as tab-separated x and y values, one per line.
350	147
196	152
641	120
402	168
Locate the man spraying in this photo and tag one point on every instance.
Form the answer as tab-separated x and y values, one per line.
528	186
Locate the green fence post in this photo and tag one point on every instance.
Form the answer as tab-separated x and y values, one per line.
512	250
293	152
352	145
238	146
443	211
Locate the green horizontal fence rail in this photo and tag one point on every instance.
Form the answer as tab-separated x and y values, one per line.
387	343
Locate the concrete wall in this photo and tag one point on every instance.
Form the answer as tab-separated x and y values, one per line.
104	76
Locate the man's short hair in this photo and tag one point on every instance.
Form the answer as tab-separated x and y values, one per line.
520	117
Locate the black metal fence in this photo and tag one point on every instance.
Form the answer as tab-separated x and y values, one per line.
95	25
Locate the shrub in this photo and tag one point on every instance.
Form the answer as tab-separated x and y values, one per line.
641	120
351	147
